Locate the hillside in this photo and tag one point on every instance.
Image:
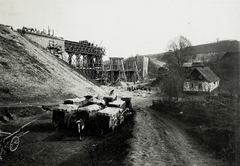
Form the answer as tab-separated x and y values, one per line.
218	48
221	46
29	73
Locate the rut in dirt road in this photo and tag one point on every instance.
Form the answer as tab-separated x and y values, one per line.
158	141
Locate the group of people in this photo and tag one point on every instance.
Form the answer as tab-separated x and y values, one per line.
146	88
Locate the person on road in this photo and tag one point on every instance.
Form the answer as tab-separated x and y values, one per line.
80	124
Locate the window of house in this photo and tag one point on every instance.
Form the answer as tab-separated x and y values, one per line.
192	85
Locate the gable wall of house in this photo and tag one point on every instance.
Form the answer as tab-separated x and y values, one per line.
213	85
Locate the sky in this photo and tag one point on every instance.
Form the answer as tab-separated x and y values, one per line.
128	27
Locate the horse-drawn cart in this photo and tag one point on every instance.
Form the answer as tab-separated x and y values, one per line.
72	115
88	114
96	116
62	115
108	119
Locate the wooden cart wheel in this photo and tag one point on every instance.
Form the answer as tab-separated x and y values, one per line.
56	125
13	144
70	122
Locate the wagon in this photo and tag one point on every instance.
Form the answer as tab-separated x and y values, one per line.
117	103
108	119
127	102
62	115
88	114
91	115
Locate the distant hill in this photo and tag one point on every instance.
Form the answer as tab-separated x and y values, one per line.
205	51
221	46
30	73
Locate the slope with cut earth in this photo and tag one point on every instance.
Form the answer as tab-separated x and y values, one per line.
29	73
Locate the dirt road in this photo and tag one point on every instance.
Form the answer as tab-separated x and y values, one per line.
156	141
160	141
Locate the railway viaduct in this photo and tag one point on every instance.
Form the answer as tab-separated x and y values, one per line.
85	56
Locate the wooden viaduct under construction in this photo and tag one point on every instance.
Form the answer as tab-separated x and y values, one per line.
85	56
88	57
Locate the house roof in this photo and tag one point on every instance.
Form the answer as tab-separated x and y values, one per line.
193	64
198	64
208	74
187	64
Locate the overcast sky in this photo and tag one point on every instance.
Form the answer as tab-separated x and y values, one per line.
128	27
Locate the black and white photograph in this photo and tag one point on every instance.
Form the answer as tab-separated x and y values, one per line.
120	83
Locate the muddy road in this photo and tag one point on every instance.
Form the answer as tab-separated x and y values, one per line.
155	140
160	141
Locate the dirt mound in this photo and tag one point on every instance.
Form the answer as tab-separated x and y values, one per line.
29	73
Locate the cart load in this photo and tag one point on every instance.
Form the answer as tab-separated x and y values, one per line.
95	100
128	102
108	119
91	110
61	114
109	98
88	113
66	108
117	103
78	101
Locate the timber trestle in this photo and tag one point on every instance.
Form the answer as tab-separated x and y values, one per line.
86	56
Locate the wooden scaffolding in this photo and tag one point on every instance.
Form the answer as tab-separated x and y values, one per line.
116	70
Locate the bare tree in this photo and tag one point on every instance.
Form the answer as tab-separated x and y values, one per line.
172	81
179	51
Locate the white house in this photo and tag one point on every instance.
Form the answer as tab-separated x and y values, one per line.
201	79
